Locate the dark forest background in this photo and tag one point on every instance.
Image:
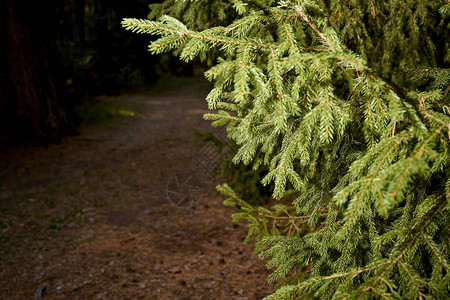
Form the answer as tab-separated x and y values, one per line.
59	53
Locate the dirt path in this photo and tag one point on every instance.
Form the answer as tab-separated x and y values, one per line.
90	218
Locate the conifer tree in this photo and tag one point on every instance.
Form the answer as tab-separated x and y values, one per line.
347	104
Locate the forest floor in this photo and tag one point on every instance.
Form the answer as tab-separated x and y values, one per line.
102	215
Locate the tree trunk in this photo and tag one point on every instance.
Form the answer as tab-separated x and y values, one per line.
78	21
39	117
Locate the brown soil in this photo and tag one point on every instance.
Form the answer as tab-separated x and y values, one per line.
90	218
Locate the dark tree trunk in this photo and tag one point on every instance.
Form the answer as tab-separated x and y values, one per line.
99	7
78	21
39	117
3	68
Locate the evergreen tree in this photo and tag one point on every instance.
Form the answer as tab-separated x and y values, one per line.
347	104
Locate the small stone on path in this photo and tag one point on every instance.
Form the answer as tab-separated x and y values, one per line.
175	270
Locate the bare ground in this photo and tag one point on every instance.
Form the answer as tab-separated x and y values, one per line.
90	218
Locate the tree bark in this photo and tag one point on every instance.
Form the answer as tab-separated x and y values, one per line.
78	21
39	117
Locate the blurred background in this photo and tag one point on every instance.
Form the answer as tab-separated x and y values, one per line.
58	54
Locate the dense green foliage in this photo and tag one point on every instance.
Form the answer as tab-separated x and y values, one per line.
347	104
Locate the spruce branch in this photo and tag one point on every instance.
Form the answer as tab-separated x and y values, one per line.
317	95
